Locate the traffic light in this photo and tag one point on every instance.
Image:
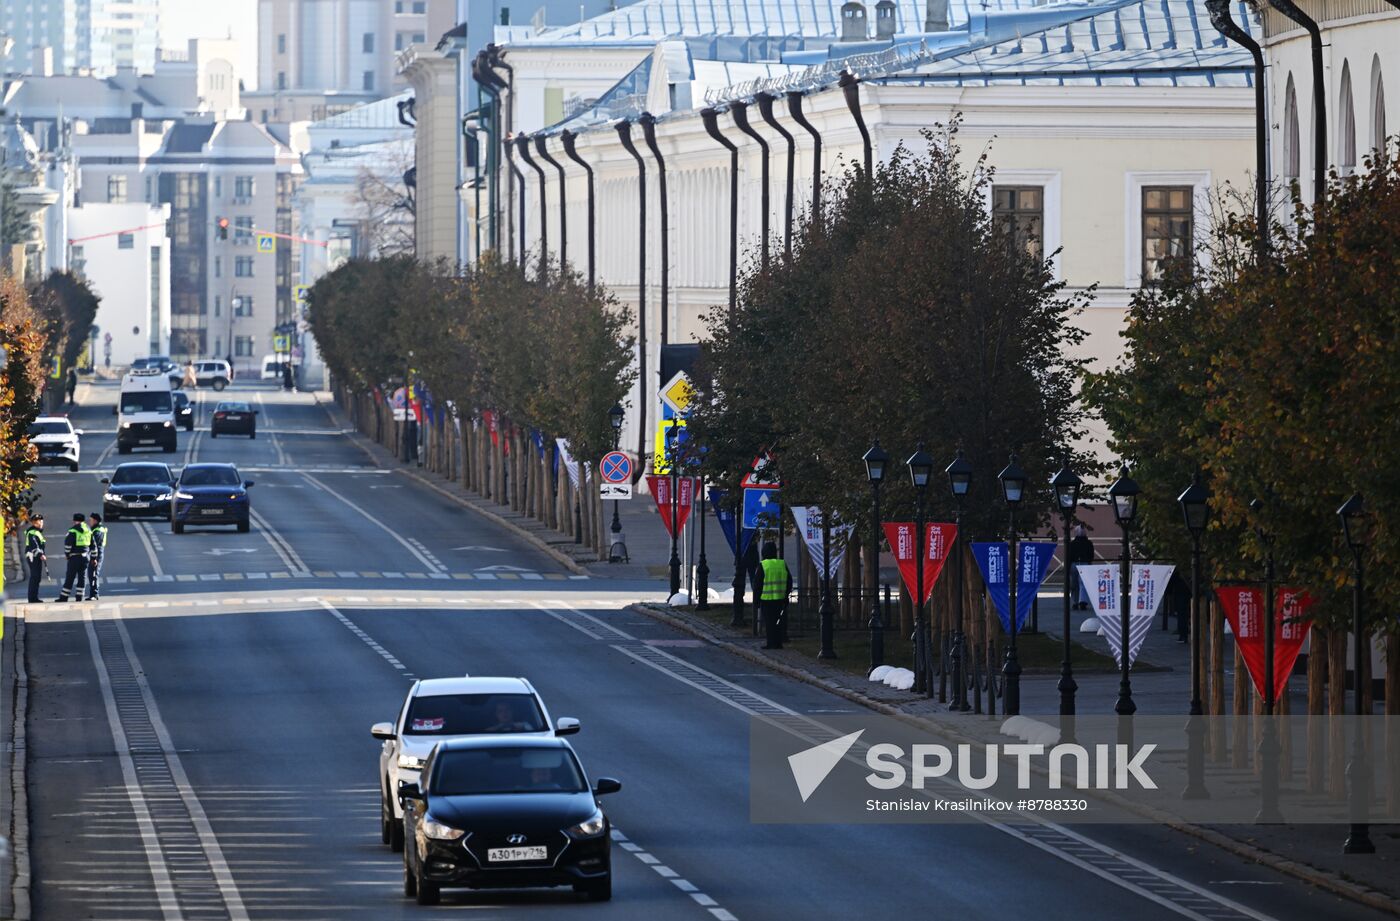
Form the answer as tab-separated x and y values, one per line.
222	224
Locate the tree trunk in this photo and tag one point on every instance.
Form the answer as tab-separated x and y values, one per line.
1337	706
1216	706
1317	701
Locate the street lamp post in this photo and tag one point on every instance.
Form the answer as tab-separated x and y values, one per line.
1124	496
1013	486
615	420
920	469
702	565
875	462
675	564
1268	739
1195	511
959	482
1354	522
1066	485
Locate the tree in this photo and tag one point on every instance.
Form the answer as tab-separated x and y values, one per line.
68	307
21	381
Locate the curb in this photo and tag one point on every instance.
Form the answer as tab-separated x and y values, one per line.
1322	879
364	443
19	781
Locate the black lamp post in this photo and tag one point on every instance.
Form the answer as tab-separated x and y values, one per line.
1124	496
959	482
1066	484
1195	511
1013	487
615	420
920	470
1354	524
702	565
826	612
1268	739
674	462
875	462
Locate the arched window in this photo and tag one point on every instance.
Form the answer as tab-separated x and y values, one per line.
1378	134
1292	155
1346	124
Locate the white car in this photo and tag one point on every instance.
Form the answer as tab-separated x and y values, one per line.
216	374
58	442
451	708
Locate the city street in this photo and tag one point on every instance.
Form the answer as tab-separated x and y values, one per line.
198	740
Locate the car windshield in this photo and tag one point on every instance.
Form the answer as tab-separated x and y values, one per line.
142	363
478	771
49	428
146	401
210	476
233	408
140	473
181	399
473	714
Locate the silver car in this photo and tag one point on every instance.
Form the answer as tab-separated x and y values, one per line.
452	708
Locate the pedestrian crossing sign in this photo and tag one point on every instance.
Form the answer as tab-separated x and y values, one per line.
267	243
299	292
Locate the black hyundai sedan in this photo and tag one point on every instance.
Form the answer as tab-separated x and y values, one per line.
234	418
505	813
143	488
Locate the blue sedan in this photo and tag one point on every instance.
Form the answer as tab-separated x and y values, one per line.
210	494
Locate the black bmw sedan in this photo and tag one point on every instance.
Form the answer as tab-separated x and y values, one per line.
496	812
141	488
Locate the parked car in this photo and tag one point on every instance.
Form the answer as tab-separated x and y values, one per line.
163	363
272	366
138	488
215	373
57	441
210	494
233	418
184	409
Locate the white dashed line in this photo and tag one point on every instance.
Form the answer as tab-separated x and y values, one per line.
684	885
367	639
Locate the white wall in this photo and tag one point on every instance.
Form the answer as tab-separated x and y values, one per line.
138	324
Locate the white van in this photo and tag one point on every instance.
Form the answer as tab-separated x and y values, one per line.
272	366
146	412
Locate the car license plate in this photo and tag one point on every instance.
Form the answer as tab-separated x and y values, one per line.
507	854
146	441
211	511
138	505
234	417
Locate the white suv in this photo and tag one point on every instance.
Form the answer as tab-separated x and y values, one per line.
449	708
57	441
216	374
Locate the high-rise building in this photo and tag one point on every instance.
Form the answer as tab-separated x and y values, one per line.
65	36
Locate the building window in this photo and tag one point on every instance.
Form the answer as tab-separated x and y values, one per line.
243	305
1346	124
243	346
281	79
218	266
368	80
1292	154
126	241
1166	228
1021	211
77	259
420	7
243	187
218	186
418	38
153	320
282	44
116	189
218	304
398	41
1377	106
243	266
398	6
242	230
367	43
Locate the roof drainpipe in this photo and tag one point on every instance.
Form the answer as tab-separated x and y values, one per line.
648	123
711	119
1225	24
523	143
519	178
765	108
794	98
496	58
570	140
486	81
624	134
543	151
850	88
1291	10
740	111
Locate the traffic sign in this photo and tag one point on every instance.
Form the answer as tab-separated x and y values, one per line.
299	292
760	508
678	393
761	474
267	243
668	433
616	467
615	490
281	342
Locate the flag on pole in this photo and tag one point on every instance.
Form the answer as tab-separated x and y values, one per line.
1101	581
808	519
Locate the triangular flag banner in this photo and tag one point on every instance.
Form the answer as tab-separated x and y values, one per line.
938	540
1100	581
1244	608
992	560
728	522
660	487
809	525
568	461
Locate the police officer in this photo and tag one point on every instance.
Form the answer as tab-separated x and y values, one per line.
34	553
774	586
75	552
97	553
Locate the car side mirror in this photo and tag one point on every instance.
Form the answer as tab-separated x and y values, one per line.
114	410
606	785
107	480
566	726
383	731
247	483
409	791
77	431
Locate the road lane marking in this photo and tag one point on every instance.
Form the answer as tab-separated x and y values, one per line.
681	883
602	624
282	460
430	564
151	543
280	545
366	639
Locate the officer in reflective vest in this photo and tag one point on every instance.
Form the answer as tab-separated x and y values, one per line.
97	553
34	554
75	551
773	595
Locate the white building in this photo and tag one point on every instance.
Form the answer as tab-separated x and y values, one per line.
108	244
67	36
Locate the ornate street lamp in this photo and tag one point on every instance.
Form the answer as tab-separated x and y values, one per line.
1066	484
615	420
876	460
1355	524
1013	487
920	470
959	483
1124	496
1195	511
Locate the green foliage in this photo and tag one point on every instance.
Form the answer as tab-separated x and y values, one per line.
68	307
20	384
906	315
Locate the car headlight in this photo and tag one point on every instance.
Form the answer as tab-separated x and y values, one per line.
439	831
590	827
111	497
126	425
184	495
410	763
168	424
163	497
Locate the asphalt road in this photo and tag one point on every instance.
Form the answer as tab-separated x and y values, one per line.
199	741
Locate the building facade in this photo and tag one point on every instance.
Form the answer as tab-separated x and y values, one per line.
107	242
68	36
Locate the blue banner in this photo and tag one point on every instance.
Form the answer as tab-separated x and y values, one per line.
538	438
727	523
992	560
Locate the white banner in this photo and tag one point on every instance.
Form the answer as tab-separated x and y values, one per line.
1100	581
568	461
809	525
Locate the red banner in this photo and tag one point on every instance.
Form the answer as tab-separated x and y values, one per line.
938	541
1244	607
660	486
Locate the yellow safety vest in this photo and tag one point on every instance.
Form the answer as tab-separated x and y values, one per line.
775	576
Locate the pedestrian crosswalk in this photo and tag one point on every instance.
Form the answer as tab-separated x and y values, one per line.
324	574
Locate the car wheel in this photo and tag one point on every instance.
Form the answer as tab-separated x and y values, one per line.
429	893
243	526
73	467
597	890
113	516
220	383
123	449
253	434
386	822
213	433
177	527
169	449
396	833
410	882
189	426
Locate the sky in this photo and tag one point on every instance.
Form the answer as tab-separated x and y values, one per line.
182	20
